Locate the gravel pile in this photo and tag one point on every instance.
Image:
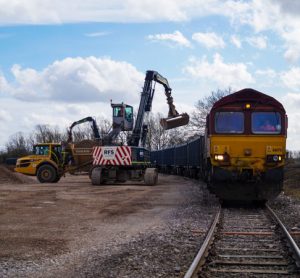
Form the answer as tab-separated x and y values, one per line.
8	176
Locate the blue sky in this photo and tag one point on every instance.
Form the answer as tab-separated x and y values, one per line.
60	61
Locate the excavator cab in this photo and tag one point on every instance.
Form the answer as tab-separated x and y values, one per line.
122	116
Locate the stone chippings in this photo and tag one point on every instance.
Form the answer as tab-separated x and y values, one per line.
161	251
288	210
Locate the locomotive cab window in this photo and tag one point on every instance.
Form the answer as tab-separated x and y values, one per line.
229	122
266	123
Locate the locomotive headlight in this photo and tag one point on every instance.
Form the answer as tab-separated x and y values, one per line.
277	158
274	158
219	157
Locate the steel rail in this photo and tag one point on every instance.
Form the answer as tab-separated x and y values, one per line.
290	239
192	271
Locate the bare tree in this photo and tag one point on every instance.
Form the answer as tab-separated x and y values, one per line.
158	138
47	134
17	145
203	106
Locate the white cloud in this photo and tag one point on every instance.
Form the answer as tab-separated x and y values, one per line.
236	41
176	38
289	6
5	116
231	74
291	102
75	80
291	78
69	11
209	40
258	42
97	34
269	73
279	16
3	83
23	117
292	43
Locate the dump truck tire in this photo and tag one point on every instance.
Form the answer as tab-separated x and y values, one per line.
56	179
96	176
46	173
151	176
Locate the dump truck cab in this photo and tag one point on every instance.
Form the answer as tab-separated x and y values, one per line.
44	162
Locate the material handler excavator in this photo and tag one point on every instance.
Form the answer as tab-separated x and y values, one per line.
119	163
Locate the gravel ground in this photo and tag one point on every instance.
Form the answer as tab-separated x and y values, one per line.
159	253
80	232
77	230
288	210
287	204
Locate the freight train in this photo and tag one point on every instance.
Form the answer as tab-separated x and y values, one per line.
242	153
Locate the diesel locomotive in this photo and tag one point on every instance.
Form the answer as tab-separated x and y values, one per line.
242	153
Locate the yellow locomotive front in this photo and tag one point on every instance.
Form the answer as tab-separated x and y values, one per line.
246	146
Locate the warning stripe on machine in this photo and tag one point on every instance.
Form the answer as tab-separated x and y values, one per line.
113	155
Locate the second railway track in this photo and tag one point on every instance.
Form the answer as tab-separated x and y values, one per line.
246	242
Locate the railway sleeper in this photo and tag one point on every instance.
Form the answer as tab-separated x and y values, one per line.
251	263
251	271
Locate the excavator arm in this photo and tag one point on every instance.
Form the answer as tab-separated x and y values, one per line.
87	119
174	118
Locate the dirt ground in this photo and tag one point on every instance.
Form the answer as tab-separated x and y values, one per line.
50	228
74	229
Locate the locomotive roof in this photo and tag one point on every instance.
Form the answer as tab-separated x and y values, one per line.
248	95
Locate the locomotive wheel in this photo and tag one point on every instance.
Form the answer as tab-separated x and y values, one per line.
96	176
46	173
151	176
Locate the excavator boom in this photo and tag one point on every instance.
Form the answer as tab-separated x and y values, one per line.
87	119
173	120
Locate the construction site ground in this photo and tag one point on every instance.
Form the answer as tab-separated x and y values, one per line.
74	229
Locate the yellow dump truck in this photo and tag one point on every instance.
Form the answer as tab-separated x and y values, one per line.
49	162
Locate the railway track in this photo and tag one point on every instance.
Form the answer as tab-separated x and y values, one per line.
246	242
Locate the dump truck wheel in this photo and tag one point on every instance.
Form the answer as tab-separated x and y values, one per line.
56	179
96	176
151	176
46	173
